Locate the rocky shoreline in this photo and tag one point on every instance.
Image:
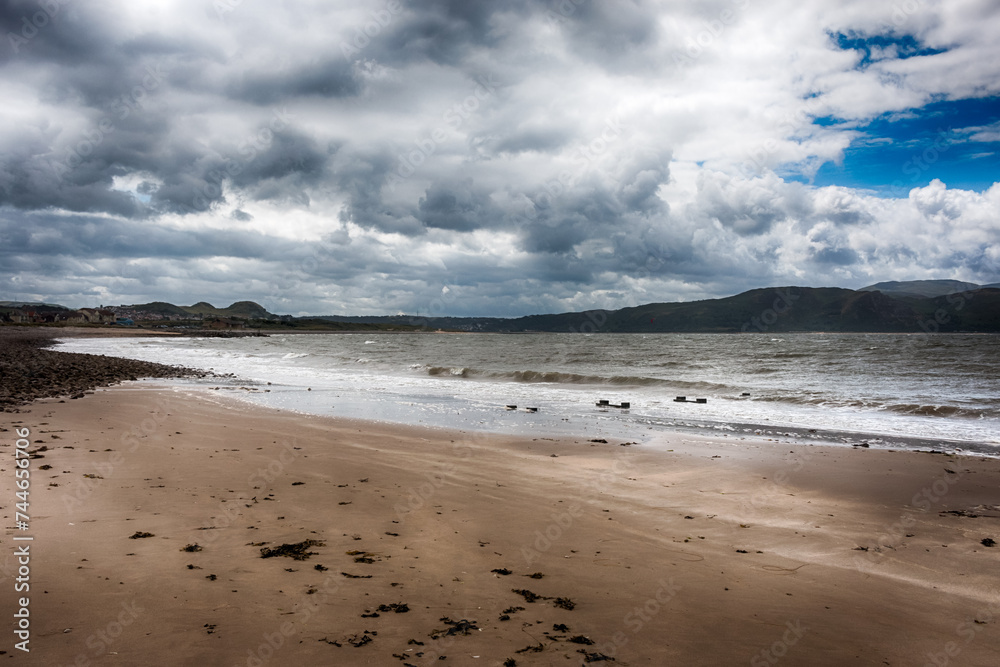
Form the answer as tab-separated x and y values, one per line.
29	371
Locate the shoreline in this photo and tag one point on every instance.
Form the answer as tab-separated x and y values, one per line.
704	550
31	370
568	412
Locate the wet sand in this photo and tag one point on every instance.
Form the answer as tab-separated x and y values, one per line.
680	551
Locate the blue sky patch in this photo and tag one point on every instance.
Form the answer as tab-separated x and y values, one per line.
957	142
882	47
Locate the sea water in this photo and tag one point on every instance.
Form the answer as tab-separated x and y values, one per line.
888	390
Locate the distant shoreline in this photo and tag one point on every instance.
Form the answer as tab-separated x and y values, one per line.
49	331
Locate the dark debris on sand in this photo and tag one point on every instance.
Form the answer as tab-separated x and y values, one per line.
30	371
595	657
297	551
462	627
562	603
526	594
532	648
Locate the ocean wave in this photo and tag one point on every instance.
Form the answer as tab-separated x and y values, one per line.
558	377
948	411
447	371
295	355
910	409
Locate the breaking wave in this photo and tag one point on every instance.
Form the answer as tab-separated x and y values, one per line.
557	377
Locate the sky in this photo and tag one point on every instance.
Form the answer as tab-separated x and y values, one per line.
502	158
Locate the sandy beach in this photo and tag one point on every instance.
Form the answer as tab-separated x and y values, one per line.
150	509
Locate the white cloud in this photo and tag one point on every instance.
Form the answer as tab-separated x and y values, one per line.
620	154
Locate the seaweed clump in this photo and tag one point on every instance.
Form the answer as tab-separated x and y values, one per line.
297	551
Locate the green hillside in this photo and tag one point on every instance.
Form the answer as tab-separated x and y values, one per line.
244	310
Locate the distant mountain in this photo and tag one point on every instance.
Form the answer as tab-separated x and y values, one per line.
31	304
162	308
900	307
771	310
780	309
246	310
975	310
924	288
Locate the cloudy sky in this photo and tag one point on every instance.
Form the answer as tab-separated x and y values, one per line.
474	157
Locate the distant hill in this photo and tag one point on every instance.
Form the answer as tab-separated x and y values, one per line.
31	304
771	310
761	310
162	308
246	310
904	307
924	288
975	310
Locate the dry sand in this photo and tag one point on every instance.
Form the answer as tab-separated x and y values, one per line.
682	551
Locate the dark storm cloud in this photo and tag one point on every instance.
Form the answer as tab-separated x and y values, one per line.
608	34
95	237
837	256
332	77
538	138
447	31
362	179
54	31
458	206
27	182
570	211
160	136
